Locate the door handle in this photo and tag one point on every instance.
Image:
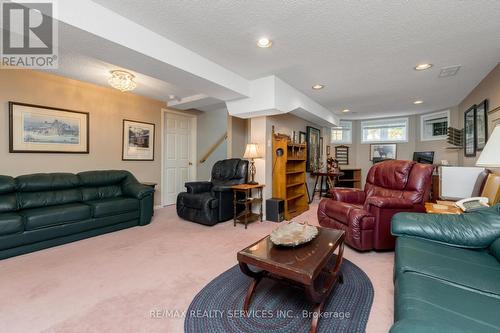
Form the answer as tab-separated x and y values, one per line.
190	163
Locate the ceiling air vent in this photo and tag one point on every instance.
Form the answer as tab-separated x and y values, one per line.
449	71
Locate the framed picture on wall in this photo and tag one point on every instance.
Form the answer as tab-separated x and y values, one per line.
302	137
470	132
342	154
481	124
383	151
321	147
138	140
313	148
43	129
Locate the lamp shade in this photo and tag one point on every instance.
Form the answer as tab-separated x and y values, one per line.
490	156
252	151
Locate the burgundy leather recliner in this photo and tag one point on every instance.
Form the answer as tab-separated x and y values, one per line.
365	216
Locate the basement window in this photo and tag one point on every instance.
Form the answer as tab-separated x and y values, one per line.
384	130
342	133
434	126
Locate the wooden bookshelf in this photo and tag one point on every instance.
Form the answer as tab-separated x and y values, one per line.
351	178
289	175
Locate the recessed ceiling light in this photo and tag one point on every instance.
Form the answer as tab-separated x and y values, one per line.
264	42
318	86
346	110
418	102
422	67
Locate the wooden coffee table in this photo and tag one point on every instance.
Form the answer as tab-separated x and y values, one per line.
312	266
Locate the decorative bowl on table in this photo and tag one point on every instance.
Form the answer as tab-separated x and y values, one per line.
293	234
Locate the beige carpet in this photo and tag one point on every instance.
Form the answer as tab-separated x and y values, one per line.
113	282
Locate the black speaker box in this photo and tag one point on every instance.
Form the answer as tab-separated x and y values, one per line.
275	210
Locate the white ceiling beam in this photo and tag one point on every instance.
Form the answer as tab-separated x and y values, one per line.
106	24
272	96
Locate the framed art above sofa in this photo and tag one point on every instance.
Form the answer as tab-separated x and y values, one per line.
138	140
43	129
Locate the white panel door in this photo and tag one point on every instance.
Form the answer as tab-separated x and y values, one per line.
178	162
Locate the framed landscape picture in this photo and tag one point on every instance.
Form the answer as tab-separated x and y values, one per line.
302	137
313	149
43	129
138	141
481	124
470	132
383	151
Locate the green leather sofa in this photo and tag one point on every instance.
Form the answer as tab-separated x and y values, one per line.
447	272
43	210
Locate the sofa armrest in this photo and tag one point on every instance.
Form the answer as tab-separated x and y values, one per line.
348	195
470	230
387	202
137	190
198	187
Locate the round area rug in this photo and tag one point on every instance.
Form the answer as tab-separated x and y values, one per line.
277	307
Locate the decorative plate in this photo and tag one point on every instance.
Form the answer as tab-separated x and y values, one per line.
293	234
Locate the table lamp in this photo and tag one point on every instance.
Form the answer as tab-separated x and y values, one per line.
490	156
252	152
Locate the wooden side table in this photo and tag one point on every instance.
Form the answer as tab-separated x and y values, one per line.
330	182
442	207
247	216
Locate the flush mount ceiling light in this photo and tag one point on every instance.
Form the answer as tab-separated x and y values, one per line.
422	67
264	42
122	80
318	86
346	110
418	102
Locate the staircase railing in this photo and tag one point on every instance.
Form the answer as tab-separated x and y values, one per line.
213	148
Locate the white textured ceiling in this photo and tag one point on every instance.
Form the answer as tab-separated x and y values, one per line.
363	51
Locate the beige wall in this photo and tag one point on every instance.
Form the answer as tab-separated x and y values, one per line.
107	108
237	136
212	125
488	88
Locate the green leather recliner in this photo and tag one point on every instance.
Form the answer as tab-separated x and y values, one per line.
447	272
43	210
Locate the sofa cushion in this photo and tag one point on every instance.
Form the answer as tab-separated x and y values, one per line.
495	249
40	182
44	217
388	174
474	269
426	299
102	178
10	223
101	192
340	210
113	206
29	200
198	201
7	184
8	200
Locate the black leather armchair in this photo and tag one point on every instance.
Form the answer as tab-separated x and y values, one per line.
212	202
